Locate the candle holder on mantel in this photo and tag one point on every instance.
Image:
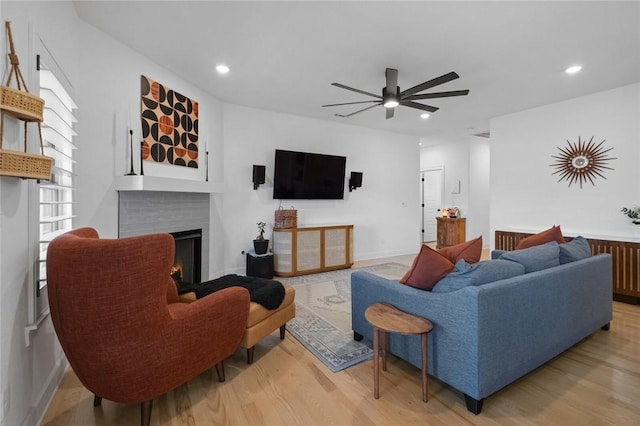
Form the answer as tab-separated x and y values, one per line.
141	158
131	172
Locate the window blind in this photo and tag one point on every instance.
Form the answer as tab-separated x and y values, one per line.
57	195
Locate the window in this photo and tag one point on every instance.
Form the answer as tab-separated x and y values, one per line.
57	195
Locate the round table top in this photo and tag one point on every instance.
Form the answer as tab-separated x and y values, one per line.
390	318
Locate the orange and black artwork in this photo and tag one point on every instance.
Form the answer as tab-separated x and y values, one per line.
169	125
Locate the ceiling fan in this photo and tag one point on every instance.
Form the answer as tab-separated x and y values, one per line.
392	96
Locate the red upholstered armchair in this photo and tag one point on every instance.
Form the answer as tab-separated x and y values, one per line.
116	313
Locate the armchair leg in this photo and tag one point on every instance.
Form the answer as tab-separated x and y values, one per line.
250	354
145	413
220	371
283	328
97	400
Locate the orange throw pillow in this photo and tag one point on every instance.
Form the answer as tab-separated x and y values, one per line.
427	269
469	251
552	234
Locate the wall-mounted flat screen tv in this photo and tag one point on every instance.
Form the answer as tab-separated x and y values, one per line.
307	176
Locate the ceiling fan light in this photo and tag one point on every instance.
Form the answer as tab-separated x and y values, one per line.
391	103
425	115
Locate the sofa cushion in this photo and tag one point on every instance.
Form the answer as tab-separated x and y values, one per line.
427	269
552	234
535	258
576	249
487	271
470	251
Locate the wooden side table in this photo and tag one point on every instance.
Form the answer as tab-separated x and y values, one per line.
385	318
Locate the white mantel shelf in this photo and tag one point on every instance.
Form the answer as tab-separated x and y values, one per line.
154	183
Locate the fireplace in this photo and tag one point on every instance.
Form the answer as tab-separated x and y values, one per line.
187	263
147	212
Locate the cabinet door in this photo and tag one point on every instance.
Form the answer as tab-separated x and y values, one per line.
335	247
308	250
282	249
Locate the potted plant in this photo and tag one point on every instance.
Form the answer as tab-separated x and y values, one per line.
260	244
632	213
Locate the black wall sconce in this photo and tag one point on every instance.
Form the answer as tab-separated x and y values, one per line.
355	181
258	176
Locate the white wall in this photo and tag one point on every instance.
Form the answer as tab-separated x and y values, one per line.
28	374
479	189
385	210
524	193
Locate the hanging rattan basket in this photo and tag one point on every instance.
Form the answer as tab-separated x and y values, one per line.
28	108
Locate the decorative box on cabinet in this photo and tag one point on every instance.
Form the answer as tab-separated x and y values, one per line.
450	231
300	251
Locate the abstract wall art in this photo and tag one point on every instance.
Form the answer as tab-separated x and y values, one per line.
169	125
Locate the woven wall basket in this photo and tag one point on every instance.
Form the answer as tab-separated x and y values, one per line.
21	104
28	108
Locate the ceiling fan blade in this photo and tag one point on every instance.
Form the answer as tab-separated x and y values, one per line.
390	112
437	95
429	84
349	103
342	86
418	106
392	81
362	110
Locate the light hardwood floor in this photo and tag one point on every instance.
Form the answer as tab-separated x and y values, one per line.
596	382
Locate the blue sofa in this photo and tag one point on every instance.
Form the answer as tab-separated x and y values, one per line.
486	336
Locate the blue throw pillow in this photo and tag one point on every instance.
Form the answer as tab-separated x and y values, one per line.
465	274
535	258
576	249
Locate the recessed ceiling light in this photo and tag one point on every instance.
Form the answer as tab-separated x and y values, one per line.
222	69
425	115
573	69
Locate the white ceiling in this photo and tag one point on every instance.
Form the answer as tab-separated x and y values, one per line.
284	55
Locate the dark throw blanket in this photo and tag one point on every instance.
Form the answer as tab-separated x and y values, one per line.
268	293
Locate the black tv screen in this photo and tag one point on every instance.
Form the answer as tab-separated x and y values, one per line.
303	175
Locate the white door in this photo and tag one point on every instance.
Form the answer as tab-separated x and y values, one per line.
432	181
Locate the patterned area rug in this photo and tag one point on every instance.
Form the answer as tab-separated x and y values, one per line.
323	315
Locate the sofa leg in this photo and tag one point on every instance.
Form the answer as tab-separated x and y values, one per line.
283	328
607	326
473	405
250	354
220	371
97	400
145	413
357	336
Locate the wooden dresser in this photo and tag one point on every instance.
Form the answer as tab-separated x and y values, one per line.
450	231
300	251
625	256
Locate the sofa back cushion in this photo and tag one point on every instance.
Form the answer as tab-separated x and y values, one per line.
470	251
427	269
535	258
552	234
487	271
576	249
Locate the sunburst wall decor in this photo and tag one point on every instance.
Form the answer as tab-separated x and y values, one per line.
581	161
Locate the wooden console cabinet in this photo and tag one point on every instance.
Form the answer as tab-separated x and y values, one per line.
300	251
450	231
625	257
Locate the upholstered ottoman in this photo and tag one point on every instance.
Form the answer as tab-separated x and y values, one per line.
262	321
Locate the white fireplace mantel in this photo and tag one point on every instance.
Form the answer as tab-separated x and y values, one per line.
154	183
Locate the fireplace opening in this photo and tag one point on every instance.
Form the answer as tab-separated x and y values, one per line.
187	262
